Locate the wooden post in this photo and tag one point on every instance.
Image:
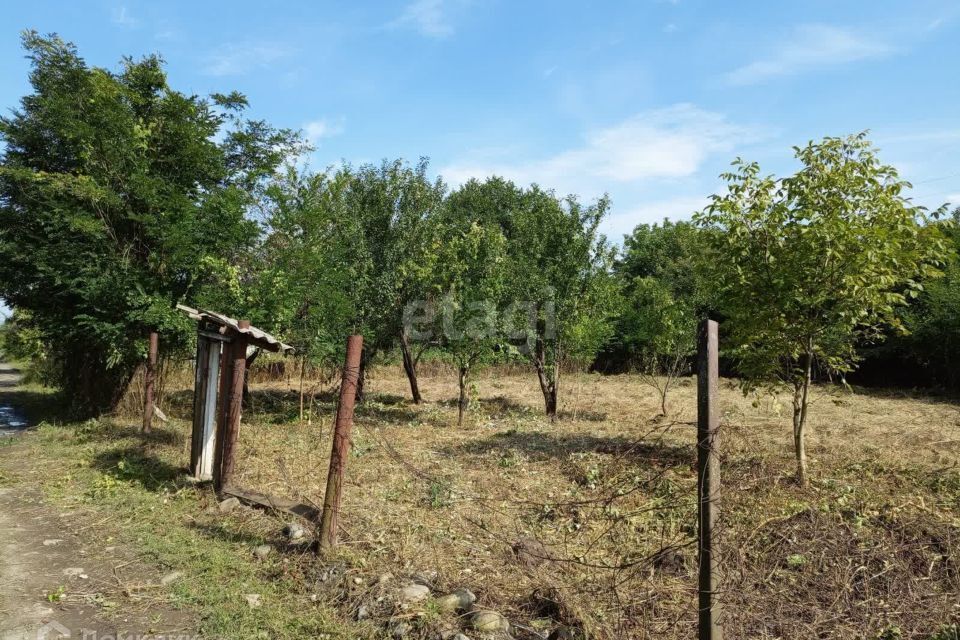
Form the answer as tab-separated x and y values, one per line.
201	373
708	485
233	365
149	377
329	520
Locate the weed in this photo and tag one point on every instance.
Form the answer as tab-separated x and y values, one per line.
439	493
796	560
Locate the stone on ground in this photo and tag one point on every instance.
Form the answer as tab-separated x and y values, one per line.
228	505
459	600
413	593
489	622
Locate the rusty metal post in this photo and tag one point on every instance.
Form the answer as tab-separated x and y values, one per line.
329	519
149	379
708	476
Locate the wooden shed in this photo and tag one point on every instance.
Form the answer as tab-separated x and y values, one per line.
222	348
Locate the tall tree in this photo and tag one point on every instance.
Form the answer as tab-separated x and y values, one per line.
814	264
926	355
560	268
560	296
663	294
658	331
470	280
116	201
304	284
390	205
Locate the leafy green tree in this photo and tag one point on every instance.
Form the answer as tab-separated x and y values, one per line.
302	287
469	287
560	276
21	343
656	270
667	252
116	202
390	206
814	264
933	318
659	333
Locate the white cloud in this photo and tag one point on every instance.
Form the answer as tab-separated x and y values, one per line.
237	59
675	208
317	130
670	28
669	143
429	17
953	198
120	16
810	47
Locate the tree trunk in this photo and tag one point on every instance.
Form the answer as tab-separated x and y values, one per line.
547	386
801	391
410	367
312	400
91	387
554	388
462	403
663	396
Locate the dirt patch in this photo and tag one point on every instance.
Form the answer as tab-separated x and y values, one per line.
61	574
608	496
62	571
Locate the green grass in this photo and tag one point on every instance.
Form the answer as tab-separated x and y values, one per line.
167	520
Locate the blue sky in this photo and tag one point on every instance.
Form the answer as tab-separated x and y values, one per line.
646	100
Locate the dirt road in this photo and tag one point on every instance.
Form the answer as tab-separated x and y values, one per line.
60	577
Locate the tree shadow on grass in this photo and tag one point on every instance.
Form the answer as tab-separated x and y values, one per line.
138	465
225	531
587	416
33	406
391	399
110	432
540	445
928	396
221	530
500	404
280	406
179	403
394	414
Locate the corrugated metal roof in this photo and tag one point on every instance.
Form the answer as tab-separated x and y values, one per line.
256	336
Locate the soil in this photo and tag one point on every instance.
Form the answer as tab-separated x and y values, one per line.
60	575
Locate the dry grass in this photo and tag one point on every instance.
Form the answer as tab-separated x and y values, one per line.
873	547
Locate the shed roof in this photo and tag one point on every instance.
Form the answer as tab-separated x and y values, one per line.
255	336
